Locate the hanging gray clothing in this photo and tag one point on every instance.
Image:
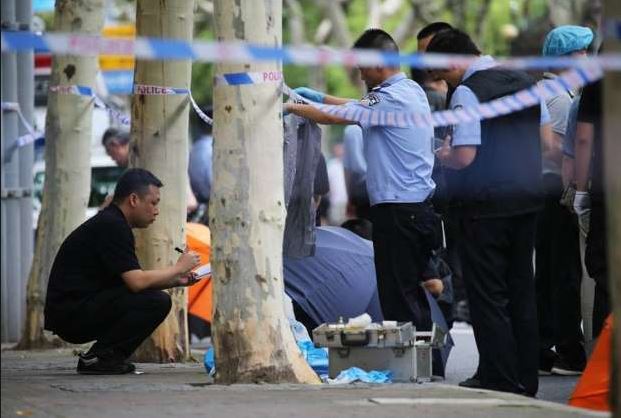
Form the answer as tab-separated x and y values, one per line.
302	150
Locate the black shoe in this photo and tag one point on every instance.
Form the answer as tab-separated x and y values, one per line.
471	382
564	368
547	359
92	364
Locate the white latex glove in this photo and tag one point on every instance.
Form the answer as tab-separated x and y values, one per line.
582	203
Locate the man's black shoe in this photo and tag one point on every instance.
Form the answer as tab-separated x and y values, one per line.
547	359
564	368
92	364
471	382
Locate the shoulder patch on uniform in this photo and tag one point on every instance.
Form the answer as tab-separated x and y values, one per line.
371	99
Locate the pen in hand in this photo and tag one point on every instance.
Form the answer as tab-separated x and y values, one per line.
179	250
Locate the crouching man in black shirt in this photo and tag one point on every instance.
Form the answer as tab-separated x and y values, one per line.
97	289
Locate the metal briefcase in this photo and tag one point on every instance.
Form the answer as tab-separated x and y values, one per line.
371	348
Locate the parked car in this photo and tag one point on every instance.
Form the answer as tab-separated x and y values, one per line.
104	175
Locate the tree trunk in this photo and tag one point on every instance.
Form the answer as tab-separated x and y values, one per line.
612	150
374	15
562	12
333	10
160	145
252	338
296	22
481	20
68	128
406	28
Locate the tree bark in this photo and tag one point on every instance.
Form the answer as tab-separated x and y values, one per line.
482	20
562	12
458	8
160	144
296	22
374	16
68	130
333	10
252	338
406	28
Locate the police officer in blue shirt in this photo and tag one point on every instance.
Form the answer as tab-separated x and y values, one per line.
399	184
495	186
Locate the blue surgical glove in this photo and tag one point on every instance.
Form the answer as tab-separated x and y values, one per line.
310	94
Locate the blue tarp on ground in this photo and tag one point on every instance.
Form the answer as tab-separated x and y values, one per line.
339	280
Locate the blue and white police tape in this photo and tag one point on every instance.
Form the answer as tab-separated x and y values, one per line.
148	90
120	117
259	77
72	89
239	52
139	89
29	137
86	91
569	80
200	112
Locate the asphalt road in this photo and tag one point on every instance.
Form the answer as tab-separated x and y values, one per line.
464	359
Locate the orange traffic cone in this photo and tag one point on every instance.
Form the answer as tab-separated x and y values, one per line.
593	388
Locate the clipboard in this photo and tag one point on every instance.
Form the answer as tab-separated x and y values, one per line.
203	271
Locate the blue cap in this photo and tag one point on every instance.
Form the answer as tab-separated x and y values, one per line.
567	39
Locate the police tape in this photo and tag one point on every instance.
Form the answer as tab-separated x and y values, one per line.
86	91
139	89
240	52
238	79
200	112
29	137
570	80
149	90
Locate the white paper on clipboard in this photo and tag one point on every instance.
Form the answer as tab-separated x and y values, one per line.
203	271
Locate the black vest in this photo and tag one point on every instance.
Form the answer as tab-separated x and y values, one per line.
505	177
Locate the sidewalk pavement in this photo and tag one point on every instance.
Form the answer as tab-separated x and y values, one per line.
44	383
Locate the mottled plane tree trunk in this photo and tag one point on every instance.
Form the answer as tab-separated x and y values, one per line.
160	145
68	131
251	336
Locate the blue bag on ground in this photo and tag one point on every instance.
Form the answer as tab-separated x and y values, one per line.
210	362
317	358
354	374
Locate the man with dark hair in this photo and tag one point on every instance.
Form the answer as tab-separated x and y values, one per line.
399	184
494	181
97	289
427	33
116	143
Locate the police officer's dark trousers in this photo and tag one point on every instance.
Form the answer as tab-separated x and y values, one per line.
596	261
403	236
557	277
498	273
118	319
